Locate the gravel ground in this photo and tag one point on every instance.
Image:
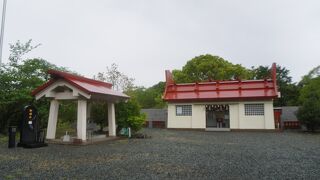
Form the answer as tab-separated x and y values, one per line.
172	154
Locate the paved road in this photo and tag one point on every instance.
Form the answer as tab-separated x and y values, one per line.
172	154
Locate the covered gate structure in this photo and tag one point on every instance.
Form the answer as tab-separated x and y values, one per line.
66	86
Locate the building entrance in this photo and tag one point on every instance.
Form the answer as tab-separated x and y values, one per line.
217	116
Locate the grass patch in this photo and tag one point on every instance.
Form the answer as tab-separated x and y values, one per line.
9	177
3	138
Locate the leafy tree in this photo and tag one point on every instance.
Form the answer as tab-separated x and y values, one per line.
315	72
149	97
289	91
128	115
67	112
309	113
208	67
17	79
119	80
19	49
158	90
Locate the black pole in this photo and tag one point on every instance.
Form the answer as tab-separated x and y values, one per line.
12	137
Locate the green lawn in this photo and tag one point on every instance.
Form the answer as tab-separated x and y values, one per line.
3	138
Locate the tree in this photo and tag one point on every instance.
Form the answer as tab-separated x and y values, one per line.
17	79
120	81
315	72
19	49
99	113
208	67
127	113
149	97
289	91
309	113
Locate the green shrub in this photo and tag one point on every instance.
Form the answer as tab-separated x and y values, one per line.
134	122
128	115
309	113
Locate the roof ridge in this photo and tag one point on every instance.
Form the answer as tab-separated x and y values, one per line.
67	75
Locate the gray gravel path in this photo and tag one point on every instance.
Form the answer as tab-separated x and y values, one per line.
172	154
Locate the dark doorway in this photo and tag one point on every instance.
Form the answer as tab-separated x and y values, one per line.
217	116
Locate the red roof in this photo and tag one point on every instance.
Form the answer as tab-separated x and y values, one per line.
87	85
221	90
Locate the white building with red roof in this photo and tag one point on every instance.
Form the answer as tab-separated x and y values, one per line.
221	105
65	86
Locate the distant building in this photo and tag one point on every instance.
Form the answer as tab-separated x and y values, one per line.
156	118
289	113
289	118
221	105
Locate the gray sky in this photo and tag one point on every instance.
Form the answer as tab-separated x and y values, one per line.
145	37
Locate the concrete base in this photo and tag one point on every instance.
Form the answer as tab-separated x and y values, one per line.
256	130
217	129
97	140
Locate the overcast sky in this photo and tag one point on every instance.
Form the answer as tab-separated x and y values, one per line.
145	37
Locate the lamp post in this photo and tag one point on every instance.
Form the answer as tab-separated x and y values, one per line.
2	27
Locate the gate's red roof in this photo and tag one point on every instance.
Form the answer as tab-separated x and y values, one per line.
87	85
221	90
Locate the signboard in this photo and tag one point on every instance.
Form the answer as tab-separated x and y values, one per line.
217	107
126	132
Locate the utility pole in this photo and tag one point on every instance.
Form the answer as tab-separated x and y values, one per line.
2	27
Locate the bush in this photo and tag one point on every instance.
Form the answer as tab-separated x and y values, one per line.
134	122
309	113
128	115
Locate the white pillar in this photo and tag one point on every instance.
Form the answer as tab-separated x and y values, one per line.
111	119
82	120
53	118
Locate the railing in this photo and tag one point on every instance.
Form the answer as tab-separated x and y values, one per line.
291	124
155	124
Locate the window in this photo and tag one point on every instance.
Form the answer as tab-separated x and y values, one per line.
254	109
184	110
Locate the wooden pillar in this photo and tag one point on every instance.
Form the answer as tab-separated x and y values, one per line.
53	118
82	120
111	119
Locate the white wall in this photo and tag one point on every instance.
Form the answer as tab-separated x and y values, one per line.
198	116
238	120
234	116
269	115
177	121
249	122
257	122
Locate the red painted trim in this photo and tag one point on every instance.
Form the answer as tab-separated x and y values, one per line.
56	73
51	81
239	89
70	78
169	81
274	77
42	87
169	78
261	98
78	86
234	89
